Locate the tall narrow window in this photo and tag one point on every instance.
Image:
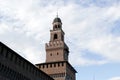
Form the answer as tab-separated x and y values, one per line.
51	54
55	27
55	36
59	26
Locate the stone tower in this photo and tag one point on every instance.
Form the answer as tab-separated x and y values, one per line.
57	65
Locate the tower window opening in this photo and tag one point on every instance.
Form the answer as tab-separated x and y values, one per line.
55	36
51	54
58	26
55	26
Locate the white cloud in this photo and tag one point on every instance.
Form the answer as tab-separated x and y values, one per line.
115	78
95	35
28	23
3	27
108	47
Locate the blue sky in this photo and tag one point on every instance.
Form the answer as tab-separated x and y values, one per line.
92	32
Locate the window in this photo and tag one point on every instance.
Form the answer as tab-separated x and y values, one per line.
55	36
51	54
55	26
58	26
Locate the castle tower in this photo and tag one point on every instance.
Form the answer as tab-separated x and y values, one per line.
56	49
57	65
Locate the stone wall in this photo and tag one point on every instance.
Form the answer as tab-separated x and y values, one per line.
15	67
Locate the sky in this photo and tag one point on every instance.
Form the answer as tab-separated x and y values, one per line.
92	32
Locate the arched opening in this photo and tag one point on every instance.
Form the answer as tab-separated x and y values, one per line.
59	26
51	54
55	26
55	36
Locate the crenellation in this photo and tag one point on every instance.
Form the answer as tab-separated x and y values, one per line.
55	44
15	67
51	65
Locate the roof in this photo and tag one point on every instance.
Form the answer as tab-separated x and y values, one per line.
57	19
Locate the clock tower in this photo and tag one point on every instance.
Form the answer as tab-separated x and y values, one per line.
57	65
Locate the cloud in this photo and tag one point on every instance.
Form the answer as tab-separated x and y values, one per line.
4	28
115	78
94	33
26	29
99	3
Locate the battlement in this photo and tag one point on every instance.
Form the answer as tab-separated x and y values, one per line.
55	44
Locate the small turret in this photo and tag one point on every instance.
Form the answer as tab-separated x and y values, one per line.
57	24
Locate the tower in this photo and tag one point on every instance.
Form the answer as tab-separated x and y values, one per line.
56	49
57	65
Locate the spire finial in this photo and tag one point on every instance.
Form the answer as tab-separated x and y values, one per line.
57	13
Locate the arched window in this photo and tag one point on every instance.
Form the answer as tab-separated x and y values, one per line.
59	26
55	26
55	36
51	54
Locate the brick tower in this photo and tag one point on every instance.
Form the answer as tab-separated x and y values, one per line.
57	65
